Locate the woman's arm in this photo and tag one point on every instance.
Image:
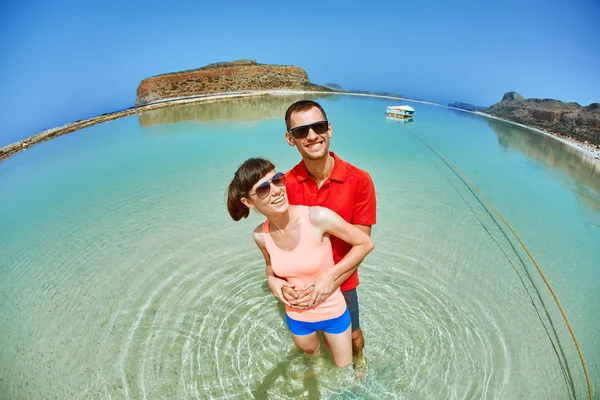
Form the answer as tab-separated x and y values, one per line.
329	222
278	286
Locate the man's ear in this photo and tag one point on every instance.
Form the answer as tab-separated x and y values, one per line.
290	139
247	203
329	130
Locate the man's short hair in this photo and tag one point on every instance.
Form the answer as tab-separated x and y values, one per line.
302	105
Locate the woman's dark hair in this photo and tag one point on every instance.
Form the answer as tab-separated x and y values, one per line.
246	176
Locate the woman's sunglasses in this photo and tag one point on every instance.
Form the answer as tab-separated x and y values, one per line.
300	132
263	190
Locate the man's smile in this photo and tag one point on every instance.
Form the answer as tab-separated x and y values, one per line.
315	145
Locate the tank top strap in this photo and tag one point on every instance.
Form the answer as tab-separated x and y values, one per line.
307	234
265	227
269	244
305	220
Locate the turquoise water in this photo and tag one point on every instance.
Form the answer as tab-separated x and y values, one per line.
122	276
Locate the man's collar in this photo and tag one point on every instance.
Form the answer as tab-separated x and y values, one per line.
338	173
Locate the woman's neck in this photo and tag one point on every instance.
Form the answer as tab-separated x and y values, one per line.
280	221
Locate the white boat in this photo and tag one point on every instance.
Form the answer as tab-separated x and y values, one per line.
400	111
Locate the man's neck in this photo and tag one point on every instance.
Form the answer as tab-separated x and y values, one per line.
320	169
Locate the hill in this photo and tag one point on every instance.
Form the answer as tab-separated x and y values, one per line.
466	106
224	77
569	119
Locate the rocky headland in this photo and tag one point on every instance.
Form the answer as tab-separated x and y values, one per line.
567	120
224	77
466	106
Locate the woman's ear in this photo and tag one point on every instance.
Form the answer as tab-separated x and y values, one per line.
247	203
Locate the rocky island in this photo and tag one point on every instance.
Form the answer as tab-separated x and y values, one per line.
567	120
224	77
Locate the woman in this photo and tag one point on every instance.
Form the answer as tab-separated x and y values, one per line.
295	243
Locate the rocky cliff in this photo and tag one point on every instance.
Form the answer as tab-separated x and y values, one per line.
568	119
237	76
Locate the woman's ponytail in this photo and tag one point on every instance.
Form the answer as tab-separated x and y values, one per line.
236	208
250	172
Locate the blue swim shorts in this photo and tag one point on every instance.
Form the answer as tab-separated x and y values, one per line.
335	325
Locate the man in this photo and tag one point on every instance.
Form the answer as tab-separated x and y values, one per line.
323	179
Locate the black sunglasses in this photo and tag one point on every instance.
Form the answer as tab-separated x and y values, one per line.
300	132
263	190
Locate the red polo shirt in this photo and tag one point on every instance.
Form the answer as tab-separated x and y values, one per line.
349	191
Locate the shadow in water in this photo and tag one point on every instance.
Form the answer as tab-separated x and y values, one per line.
241	109
583	169
309	383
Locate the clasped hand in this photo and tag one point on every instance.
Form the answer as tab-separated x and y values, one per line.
309	296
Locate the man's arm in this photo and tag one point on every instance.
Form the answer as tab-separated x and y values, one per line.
304	295
344	277
364	216
333	224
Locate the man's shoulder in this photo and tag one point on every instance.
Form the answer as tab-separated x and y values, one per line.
295	171
356	173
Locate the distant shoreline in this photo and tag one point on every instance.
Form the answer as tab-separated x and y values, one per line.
586	148
14	148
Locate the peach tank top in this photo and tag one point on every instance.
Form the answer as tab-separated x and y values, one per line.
303	265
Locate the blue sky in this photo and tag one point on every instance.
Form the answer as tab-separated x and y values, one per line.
61	61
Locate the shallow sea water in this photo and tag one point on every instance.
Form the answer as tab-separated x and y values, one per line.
122	275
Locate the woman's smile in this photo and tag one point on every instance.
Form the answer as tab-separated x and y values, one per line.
278	199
